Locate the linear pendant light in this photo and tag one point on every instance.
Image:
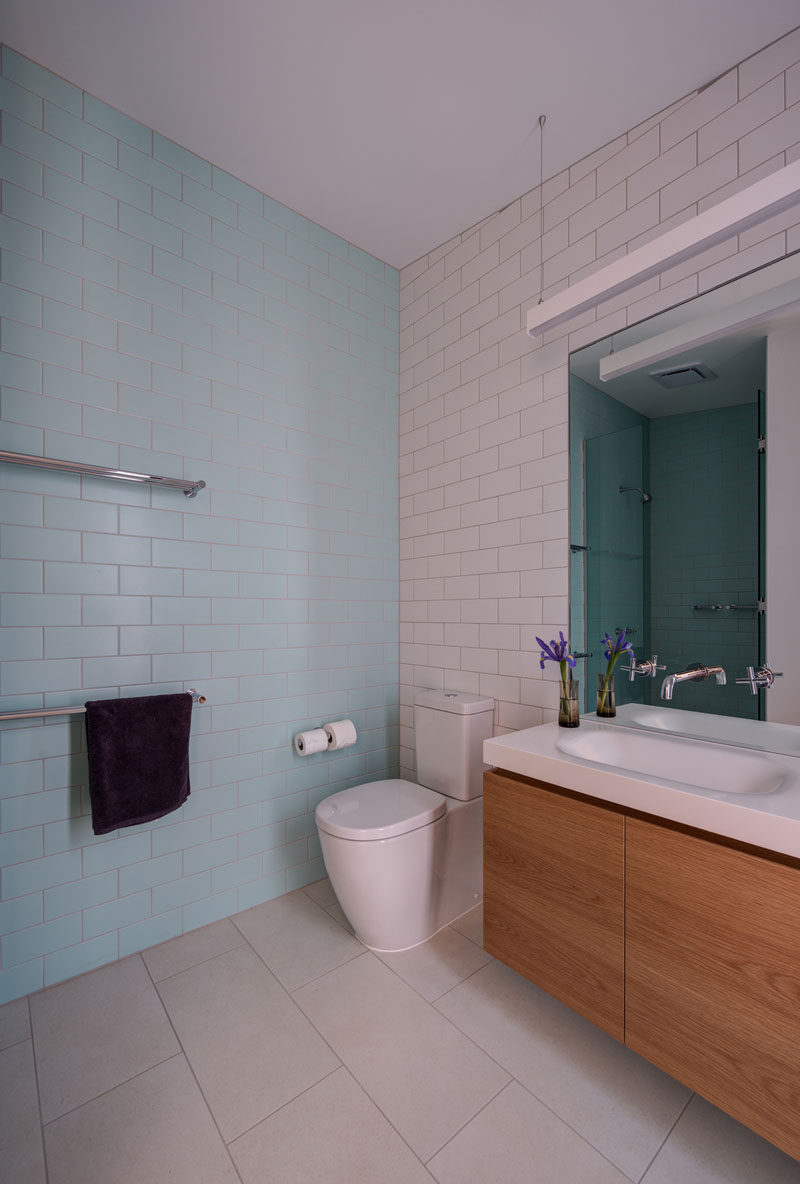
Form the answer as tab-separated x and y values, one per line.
764	199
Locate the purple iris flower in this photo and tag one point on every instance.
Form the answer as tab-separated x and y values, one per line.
556	651
615	649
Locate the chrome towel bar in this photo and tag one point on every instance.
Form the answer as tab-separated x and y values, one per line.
34	712
190	488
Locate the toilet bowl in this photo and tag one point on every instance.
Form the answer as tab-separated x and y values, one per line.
405	859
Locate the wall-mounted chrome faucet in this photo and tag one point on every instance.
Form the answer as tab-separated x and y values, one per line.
697	672
646	668
764	677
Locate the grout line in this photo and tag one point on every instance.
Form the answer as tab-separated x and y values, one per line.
38	1092
190	1066
663	1142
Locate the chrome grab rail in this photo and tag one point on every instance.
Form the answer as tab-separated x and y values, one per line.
190	488
34	712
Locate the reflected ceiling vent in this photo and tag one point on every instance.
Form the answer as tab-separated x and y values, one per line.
689	374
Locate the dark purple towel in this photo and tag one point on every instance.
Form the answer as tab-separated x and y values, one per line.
138	758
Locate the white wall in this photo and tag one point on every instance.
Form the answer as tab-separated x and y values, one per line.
483	407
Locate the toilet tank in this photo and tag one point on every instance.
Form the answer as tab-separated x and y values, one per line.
450	728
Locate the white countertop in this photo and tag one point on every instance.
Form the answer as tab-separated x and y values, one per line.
768	819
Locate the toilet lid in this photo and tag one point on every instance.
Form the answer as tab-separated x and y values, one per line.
379	810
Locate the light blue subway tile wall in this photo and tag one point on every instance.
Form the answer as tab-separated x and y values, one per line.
160	315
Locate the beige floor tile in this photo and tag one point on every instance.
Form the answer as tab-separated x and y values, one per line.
331	1133
618	1102
21	1153
96	1031
517	1140
251	1047
709	1147
321	892
425	1076
340	917
171	957
154	1128
438	964
471	925
15	1024
296	938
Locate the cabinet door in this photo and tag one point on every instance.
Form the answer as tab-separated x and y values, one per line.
713	974
554	894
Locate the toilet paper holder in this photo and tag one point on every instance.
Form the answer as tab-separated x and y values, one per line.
327	738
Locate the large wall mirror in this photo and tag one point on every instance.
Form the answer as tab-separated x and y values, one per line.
680	531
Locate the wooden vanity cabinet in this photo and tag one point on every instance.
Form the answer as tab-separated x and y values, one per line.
713	973
553	894
684	946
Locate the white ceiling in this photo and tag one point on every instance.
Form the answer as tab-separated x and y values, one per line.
394	123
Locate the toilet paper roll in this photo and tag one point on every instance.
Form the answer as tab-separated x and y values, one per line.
341	734
306	743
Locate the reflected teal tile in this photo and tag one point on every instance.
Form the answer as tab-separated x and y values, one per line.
328	241
21	980
302	827
79	388
285	709
88	955
41	81
215	258
17	237
37	874
20	913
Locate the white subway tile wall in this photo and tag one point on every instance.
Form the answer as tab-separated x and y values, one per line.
483	407
160	315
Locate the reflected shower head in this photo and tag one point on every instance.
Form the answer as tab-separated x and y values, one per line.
646	497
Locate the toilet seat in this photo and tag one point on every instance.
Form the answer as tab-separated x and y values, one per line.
379	810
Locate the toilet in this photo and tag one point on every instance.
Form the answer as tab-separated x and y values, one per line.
406	859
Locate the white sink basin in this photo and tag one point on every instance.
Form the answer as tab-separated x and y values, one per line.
690	762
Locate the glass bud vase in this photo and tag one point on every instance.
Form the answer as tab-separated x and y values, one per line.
568	706
606	699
